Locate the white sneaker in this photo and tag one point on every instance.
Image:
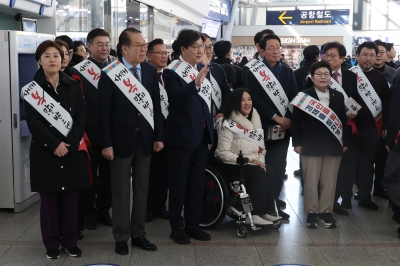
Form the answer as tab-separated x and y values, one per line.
271	218
258	220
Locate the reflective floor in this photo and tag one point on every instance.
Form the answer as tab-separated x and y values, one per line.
362	238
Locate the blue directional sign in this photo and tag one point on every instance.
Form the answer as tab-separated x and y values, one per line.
220	10
308	17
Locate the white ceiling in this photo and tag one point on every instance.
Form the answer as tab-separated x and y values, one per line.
293	3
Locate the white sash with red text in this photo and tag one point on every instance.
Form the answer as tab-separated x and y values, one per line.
163	100
53	112
188	74
90	71
216	95
132	89
270	84
319	111
333	84
255	136
370	97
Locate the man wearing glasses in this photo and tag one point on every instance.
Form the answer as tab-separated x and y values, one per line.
189	133
272	89
157	55
97	200
131	128
371	121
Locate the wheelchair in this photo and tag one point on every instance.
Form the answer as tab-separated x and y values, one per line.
223	198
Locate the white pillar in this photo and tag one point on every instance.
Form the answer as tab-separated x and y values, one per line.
229	27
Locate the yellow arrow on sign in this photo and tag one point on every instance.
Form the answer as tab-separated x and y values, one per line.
281	17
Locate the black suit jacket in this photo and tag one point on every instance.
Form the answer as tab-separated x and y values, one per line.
394	119
187	113
121	124
310	133
219	74
301	74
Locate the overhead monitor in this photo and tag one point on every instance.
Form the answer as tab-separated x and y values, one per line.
43	2
29	25
210	27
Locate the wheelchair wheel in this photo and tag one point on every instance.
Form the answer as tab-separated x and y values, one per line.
215	199
242	231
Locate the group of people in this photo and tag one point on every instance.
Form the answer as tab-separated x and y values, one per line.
106	126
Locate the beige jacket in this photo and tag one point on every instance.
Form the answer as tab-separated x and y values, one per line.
230	144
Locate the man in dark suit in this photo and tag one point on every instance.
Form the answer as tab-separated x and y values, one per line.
335	54
218	73
257	38
157	56
188	136
270	47
128	140
100	193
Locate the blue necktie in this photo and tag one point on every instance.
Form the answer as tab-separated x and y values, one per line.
134	70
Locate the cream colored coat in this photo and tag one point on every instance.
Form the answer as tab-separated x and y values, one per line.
230	144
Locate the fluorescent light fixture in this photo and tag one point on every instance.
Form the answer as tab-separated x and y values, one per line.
136	19
283	8
311	7
338	7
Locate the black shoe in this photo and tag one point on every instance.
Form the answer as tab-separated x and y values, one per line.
396	218
53	253
162	214
104	217
149	217
356	196
197	233
326	220
346	204
121	247
381	194
298	173
180	236
280	203
284	215
143	243
312	220
368	204
339	210
74	252
90	222
80	235
285	176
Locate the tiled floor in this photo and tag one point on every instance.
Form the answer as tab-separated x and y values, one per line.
362	238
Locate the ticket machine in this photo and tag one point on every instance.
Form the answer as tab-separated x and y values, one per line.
17	68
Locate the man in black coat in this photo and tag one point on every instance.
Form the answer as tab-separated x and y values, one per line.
128	139
222	50
270	47
188	136
97	200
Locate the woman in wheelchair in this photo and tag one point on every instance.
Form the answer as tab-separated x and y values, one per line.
241	131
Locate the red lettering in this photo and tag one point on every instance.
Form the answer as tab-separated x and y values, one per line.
36	96
193	76
264	75
127	83
94	74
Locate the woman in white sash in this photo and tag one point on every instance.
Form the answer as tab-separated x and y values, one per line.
317	132
58	166
257	176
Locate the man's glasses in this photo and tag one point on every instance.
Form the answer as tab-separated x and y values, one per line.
333	56
197	47
142	46
274	49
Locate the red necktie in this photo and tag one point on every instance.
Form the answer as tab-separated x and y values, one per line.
159	74
335	76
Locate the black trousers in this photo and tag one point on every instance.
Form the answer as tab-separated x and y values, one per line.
158	183
380	162
258	183
99	194
186	173
276	157
359	162
391	180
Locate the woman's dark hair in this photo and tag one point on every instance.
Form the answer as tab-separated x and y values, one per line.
188	37
61	44
244	61
77	44
124	39
368	45
235	103
320	64
41	49
67	40
222	48
340	47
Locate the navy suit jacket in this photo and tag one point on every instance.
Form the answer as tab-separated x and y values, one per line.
121	124
219	74
394	119
310	133
187	113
